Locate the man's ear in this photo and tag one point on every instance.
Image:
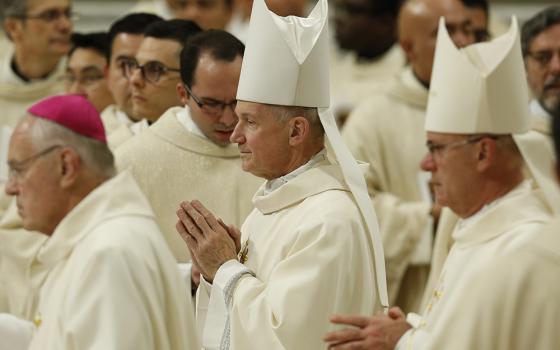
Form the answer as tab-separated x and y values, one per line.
407	47
69	167
182	93
12	28
299	130
486	153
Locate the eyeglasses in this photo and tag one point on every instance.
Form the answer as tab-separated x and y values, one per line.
86	79
544	57
212	107
151	71
18	169
437	148
53	15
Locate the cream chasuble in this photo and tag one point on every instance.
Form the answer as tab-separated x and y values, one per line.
387	131
308	257
16	95
18	248
496	230
511	304
172	164
107	280
353	80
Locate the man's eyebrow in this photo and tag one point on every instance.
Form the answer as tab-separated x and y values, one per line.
87	69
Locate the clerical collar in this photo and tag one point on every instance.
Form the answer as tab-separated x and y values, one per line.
136	127
424	84
185	119
538	110
274	184
462	223
19	74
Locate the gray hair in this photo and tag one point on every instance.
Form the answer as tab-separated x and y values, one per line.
95	155
538	24
13	8
311	114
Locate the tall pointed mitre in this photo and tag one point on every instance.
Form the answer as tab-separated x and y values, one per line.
286	63
482	89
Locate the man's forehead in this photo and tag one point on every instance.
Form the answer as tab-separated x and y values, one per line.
547	39
86	57
163	50
42	5
126	43
442	137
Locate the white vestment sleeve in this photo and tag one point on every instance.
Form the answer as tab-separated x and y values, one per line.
15	333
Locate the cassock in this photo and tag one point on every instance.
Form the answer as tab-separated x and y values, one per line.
499	228
511	304
172	164
306	247
354	79
387	131
107	280
119	127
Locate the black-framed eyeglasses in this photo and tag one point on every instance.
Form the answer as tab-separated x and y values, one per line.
18	169
53	15
544	57
438	148
151	71
212	107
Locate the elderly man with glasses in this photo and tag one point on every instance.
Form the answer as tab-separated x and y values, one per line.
186	154
540	40
104	278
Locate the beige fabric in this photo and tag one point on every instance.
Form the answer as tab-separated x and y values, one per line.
18	248
353	80
107	280
308	248
171	165
387	132
511	304
502	227
16	95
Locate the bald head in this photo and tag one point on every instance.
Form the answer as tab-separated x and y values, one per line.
417	30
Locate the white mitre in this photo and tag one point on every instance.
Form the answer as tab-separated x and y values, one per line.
482	89
286	63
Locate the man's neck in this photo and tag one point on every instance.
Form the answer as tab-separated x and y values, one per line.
30	66
423	82
490	194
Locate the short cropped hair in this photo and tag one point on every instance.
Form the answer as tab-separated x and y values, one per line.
178	30
219	44
135	23
481	4
311	114
13	8
94	154
538	24
98	42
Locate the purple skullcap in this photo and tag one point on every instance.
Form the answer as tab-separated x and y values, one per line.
74	112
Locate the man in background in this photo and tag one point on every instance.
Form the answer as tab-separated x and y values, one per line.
86	66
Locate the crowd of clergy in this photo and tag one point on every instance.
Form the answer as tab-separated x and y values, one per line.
231	174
